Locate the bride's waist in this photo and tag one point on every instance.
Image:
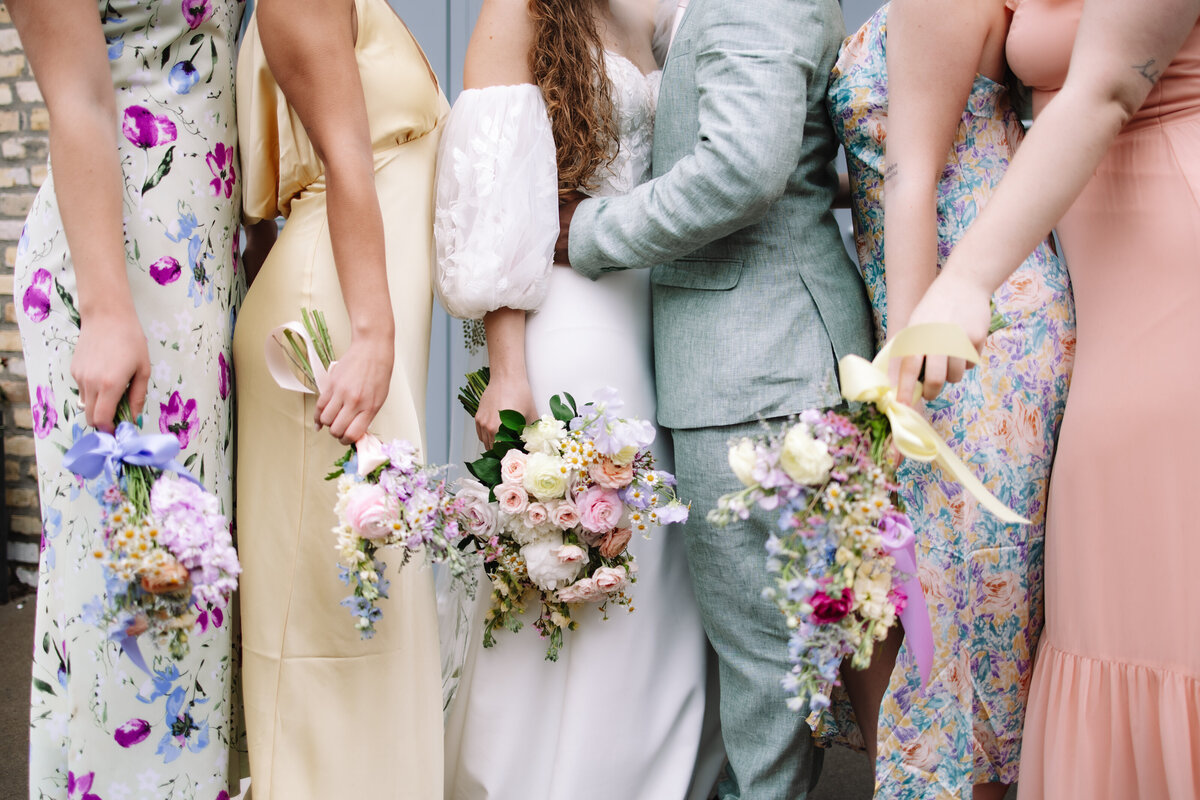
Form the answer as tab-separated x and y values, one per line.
617	299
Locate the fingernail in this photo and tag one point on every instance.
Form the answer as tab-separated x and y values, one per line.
139	420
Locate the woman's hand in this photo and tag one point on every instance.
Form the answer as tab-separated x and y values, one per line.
111	357
502	395
356	388
951	298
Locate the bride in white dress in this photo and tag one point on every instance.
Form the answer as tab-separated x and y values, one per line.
625	711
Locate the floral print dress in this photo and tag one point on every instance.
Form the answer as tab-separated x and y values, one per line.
982	578
114	720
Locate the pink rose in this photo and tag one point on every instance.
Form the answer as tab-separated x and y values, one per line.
609	475
615	542
609	580
828	610
512	499
536	514
571	554
583	591
600	509
512	467
565	515
370	511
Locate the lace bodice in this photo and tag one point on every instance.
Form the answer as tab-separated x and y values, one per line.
496	217
635	97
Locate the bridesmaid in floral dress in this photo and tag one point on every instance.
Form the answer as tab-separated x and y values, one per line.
943	145
142	140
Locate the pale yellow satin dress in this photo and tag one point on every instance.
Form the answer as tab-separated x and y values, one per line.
329	715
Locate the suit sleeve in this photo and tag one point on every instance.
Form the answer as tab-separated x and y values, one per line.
754	64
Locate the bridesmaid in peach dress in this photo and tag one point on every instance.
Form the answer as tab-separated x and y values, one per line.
1114	153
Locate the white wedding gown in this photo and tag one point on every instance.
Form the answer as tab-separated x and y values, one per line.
622	714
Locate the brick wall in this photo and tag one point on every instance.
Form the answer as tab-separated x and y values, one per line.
23	147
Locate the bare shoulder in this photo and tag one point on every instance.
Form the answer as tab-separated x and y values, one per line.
498	54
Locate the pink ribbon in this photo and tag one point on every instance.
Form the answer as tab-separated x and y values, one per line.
368	449
900	543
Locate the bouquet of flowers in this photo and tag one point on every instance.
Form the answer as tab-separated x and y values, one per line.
842	578
554	506
844	558
166	548
386	498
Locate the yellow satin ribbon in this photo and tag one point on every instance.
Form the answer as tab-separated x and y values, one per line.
867	382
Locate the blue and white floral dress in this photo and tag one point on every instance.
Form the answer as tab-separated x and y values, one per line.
112	722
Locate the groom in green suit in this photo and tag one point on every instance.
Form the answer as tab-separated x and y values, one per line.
755	300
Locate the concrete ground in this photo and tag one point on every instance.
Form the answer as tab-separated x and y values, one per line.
846	775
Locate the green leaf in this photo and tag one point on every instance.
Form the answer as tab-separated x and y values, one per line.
486	469
163	168
195	40
571	403
42	686
187	462
67	301
513	420
166	56
561	411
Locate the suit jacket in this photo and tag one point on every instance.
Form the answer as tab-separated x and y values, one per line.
755	298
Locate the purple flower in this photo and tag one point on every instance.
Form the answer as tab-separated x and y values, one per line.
196	11
145	129
166	270
222	376
81	788
178	418
133	732
183	732
220	162
44	415
36	300
211	615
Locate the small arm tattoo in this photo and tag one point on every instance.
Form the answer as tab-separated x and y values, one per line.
1147	70
892	172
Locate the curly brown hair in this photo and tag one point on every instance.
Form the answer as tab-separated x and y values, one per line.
567	61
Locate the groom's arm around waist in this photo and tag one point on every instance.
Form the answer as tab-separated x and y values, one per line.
755	63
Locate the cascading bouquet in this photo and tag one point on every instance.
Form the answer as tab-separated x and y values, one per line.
554	506
844	557
842	576
166	547
386	497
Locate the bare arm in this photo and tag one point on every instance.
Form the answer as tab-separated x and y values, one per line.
65	47
498	55
310	50
1120	51
926	98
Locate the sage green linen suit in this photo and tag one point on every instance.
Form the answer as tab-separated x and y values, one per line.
754	299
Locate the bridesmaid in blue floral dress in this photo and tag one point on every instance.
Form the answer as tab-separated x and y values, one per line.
960	736
143	139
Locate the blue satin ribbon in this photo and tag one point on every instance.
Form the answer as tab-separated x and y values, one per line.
102	452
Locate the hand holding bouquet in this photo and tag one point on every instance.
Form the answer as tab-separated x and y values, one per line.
845	557
386	498
166	548
554	506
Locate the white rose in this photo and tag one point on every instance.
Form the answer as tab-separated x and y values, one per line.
804	458
544	435
546	570
742	458
545	476
625	455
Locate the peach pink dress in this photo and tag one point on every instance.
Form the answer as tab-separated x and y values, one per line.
1114	709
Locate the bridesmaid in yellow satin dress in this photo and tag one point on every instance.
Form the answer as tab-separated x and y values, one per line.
340	117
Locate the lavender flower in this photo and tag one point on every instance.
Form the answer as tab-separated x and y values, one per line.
45	417
178	418
36	300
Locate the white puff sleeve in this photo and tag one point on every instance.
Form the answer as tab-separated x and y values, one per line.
496	217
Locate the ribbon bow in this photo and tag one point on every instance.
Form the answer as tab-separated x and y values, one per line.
867	382
103	452
368	449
